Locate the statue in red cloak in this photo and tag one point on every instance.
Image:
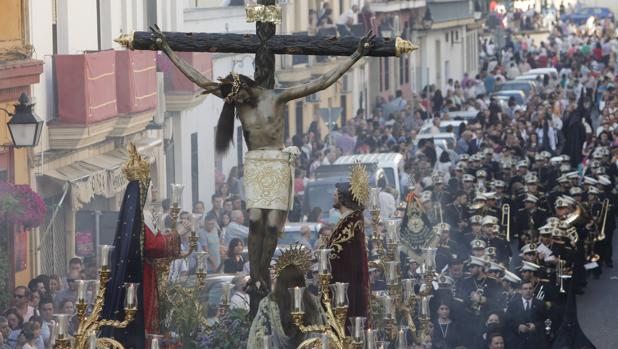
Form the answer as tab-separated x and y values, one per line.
349	252
138	243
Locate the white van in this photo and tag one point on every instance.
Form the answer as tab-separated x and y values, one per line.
391	163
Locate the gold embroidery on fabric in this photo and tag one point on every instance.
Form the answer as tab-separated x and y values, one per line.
346	228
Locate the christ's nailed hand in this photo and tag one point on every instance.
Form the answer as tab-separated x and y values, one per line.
364	45
160	40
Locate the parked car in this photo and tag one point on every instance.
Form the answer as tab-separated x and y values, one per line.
319	193
581	15
527	87
391	163
291	233
504	96
552	72
444	126
462	115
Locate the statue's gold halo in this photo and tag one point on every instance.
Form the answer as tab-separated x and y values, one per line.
359	181
296	255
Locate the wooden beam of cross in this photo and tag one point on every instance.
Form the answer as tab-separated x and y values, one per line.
265	44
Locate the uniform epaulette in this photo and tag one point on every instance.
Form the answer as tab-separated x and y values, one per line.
458	299
543	280
491	277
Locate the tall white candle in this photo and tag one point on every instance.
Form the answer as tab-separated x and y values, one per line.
62	321
392	273
195	222
154	343
425	306
370	339
225	295
92	340
131	295
374	199
408	289
176	194
325	341
387	307
297	294
82	287
266	340
104	251
358	327
323	261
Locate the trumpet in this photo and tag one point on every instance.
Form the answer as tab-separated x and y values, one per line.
506	220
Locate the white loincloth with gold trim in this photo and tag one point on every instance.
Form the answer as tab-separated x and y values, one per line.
269	178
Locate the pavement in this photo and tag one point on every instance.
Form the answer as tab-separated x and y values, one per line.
597	310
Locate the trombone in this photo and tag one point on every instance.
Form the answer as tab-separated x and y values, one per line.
506	220
603	213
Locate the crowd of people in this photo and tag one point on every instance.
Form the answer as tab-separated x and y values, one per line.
552	159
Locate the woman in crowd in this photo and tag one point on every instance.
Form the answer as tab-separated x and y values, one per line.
235	261
446	334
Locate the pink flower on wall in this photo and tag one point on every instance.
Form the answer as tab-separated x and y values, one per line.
19	205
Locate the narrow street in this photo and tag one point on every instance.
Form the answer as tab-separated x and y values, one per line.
597	309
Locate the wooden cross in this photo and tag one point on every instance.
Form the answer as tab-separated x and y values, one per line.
265	44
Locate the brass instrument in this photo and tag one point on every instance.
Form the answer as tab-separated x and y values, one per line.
477	206
603	213
573	217
476	306
506	220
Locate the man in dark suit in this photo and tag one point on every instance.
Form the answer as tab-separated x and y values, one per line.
525	320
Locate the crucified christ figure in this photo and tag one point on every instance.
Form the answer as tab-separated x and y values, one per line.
269	168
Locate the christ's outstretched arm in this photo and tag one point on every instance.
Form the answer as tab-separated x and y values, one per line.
191	73
329	78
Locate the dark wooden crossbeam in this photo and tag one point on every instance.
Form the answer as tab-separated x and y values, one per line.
278	44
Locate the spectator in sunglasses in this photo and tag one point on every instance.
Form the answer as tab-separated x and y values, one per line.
21	302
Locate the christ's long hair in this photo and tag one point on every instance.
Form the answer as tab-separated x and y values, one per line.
292	276
225	126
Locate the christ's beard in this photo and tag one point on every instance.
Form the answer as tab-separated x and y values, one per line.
337	205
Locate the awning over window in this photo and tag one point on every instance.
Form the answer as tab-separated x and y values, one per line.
101	174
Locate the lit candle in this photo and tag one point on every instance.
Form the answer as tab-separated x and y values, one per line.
82	287
195	222
323	261
402	340
176	194
154	343
392	233
62	321
130	298
359	327
202	261
92	340
408	289
425	306
297	298
341	294
429	258
325	341
266	340
104	251
370	339
95	292
392	273
374	199
387	307
225	294
54	333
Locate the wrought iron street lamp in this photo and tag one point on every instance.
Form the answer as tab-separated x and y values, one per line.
25	126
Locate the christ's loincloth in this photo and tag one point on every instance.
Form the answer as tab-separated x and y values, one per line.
269	178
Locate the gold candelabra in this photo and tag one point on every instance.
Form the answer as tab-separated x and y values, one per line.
333	331
89	324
